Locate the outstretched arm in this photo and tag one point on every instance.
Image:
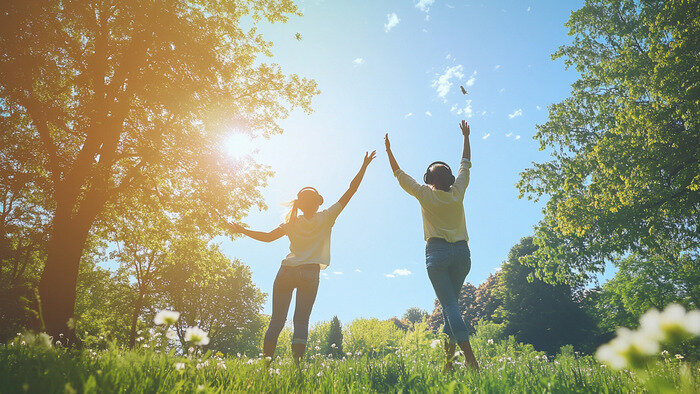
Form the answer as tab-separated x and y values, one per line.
355	183
258	235
466	149
392	160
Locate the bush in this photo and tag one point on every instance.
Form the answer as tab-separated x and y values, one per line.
371	336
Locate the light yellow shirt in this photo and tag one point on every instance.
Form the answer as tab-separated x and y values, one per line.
310	239
443	212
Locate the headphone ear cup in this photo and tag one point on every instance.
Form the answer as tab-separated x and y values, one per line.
426	176
320	199
453	179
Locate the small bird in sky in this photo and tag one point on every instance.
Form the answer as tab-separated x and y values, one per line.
464	91
298	36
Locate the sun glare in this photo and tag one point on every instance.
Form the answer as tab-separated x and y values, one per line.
237	145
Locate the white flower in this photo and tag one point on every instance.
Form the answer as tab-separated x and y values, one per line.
171	334
629	347
196	336
320	373
333	345
435	343
490	341
179	366
673	324
679	357
166	317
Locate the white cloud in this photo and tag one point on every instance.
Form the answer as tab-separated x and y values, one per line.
485	136
501	90
443	82
509	134
483	113
358	61
466	111
517	137
391	21
358	270
497	66
398	272
408	115
538	107
424	5
448	57
472	79
516	113
428	113
528	9
338	272
450	6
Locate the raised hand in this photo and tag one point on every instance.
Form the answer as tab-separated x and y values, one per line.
465	128
387	144
368	158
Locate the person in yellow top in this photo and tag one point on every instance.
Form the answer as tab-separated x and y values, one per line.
447	255
309	252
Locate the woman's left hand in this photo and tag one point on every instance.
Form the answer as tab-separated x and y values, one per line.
368	158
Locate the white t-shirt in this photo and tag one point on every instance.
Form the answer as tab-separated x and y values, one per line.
310	239
443	212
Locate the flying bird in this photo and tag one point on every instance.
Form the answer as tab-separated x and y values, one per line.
464	91
298	36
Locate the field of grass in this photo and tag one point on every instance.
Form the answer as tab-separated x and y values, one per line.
36	369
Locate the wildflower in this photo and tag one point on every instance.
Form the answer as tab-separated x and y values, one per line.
490	341
179	366
334	346
58	343
145	346
679	357
166	317
664	353
673	324
171	334
349	354
435	343
319	374
317	347
197	336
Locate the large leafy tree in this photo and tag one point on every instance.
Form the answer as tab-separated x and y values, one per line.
625	169
108	93
211	292
542	314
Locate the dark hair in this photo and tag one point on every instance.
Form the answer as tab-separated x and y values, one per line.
439	174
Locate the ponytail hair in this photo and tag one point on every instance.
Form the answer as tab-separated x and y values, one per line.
293	211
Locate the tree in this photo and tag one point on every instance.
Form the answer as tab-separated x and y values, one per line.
642	284
414	315
334	339
537	312
625	169
113	92
487	299
211	292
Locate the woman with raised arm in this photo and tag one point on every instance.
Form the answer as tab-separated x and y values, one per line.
447	255
309	252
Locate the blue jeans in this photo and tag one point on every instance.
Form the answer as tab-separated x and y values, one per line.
448	264
304	278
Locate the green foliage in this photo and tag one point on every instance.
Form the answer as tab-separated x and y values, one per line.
640	284
334	339
625	169
414	315
371	336
537	312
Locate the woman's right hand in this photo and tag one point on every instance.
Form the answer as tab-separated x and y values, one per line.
465	128
368	158
387	144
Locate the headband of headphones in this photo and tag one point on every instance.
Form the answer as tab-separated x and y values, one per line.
314	190
428	176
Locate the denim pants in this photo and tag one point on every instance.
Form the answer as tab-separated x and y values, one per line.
448	264
304	278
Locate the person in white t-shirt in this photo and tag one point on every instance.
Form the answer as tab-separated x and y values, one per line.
447	255
309	252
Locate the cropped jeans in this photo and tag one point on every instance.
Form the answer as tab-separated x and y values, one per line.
304	278
448	264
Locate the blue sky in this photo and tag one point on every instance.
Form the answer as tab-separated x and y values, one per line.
389	66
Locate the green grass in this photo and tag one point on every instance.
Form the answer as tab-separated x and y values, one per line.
114	370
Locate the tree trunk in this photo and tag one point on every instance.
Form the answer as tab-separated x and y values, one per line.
59	279
135	318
